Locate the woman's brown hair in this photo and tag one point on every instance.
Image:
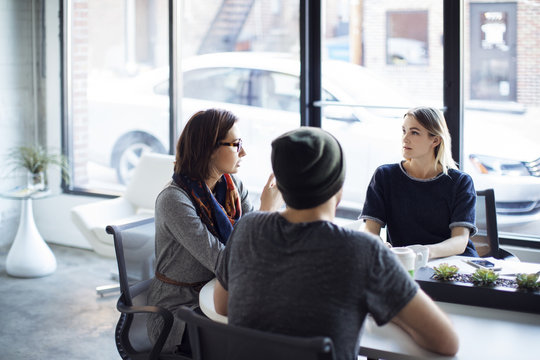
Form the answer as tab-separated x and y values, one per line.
199	139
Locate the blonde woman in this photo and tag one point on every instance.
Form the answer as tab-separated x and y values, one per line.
424	199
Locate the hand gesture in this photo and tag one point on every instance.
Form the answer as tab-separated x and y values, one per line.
271	199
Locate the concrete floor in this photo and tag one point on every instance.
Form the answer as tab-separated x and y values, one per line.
59	316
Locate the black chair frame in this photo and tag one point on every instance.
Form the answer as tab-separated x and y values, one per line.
492	232
126	306
240	343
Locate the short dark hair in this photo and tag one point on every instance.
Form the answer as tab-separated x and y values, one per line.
199	139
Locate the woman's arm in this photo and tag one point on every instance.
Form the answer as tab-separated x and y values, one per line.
372	227
428	325
271	199
455	245
177	218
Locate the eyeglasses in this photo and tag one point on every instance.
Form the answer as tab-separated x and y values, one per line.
237	144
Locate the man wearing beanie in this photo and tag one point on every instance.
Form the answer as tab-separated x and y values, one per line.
295	272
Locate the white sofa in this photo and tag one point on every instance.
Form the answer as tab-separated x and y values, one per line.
152	173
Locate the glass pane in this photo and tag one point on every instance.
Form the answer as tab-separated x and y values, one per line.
502	108
118	99
376	65
407	38
243	56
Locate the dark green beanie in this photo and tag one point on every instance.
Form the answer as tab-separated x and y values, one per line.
309	166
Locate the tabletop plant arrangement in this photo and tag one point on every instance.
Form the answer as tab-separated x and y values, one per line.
36	160
484	287
486	277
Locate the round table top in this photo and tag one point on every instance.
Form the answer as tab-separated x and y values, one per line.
206	302
25	193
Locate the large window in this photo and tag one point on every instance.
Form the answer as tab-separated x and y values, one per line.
378	59
383	69
116	60
237	55
502	108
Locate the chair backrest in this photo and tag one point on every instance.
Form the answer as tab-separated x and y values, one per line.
486	240
211	340
132	340
122	234
150	176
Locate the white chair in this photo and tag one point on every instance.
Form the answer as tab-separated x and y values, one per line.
150	176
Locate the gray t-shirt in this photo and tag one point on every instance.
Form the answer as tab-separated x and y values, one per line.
310	279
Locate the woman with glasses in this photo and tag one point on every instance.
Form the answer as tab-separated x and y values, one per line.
424	199
196	213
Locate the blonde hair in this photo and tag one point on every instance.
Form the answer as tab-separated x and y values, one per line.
434	122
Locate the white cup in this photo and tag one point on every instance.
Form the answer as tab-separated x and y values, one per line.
422	255
406	257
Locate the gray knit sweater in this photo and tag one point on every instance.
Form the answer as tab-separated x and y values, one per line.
185	252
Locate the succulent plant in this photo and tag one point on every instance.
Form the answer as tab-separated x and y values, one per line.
484	277
527	281
445	271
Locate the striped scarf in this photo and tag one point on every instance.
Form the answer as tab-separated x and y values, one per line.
219	211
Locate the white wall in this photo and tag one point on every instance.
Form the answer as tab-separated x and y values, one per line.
24	92
19	97
52	215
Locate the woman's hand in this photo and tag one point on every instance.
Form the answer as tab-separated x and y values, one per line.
271	199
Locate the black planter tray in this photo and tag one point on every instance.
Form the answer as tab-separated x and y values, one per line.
498	297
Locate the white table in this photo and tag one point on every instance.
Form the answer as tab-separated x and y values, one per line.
206	302
484	333
29	255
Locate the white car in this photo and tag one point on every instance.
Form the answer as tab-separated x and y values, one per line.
262	89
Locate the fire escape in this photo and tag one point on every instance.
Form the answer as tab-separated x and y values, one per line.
226	27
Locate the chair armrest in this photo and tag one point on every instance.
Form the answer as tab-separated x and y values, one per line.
168	320
100	214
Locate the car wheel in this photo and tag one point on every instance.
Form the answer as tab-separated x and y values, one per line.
127	151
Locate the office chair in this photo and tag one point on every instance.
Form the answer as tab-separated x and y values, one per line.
211	340
131	336
486	240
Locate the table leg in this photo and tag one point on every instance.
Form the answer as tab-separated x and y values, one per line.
29	255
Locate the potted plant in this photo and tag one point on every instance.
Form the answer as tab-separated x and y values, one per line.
36	160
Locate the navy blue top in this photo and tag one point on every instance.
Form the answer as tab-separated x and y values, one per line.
419	211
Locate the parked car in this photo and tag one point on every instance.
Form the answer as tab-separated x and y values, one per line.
262	89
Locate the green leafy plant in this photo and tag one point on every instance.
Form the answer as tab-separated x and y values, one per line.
527	281
484	277
445	271
36	160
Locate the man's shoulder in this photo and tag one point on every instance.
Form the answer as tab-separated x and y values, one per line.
255	219
258	215
360	239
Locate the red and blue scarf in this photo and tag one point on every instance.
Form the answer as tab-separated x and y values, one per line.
220	210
